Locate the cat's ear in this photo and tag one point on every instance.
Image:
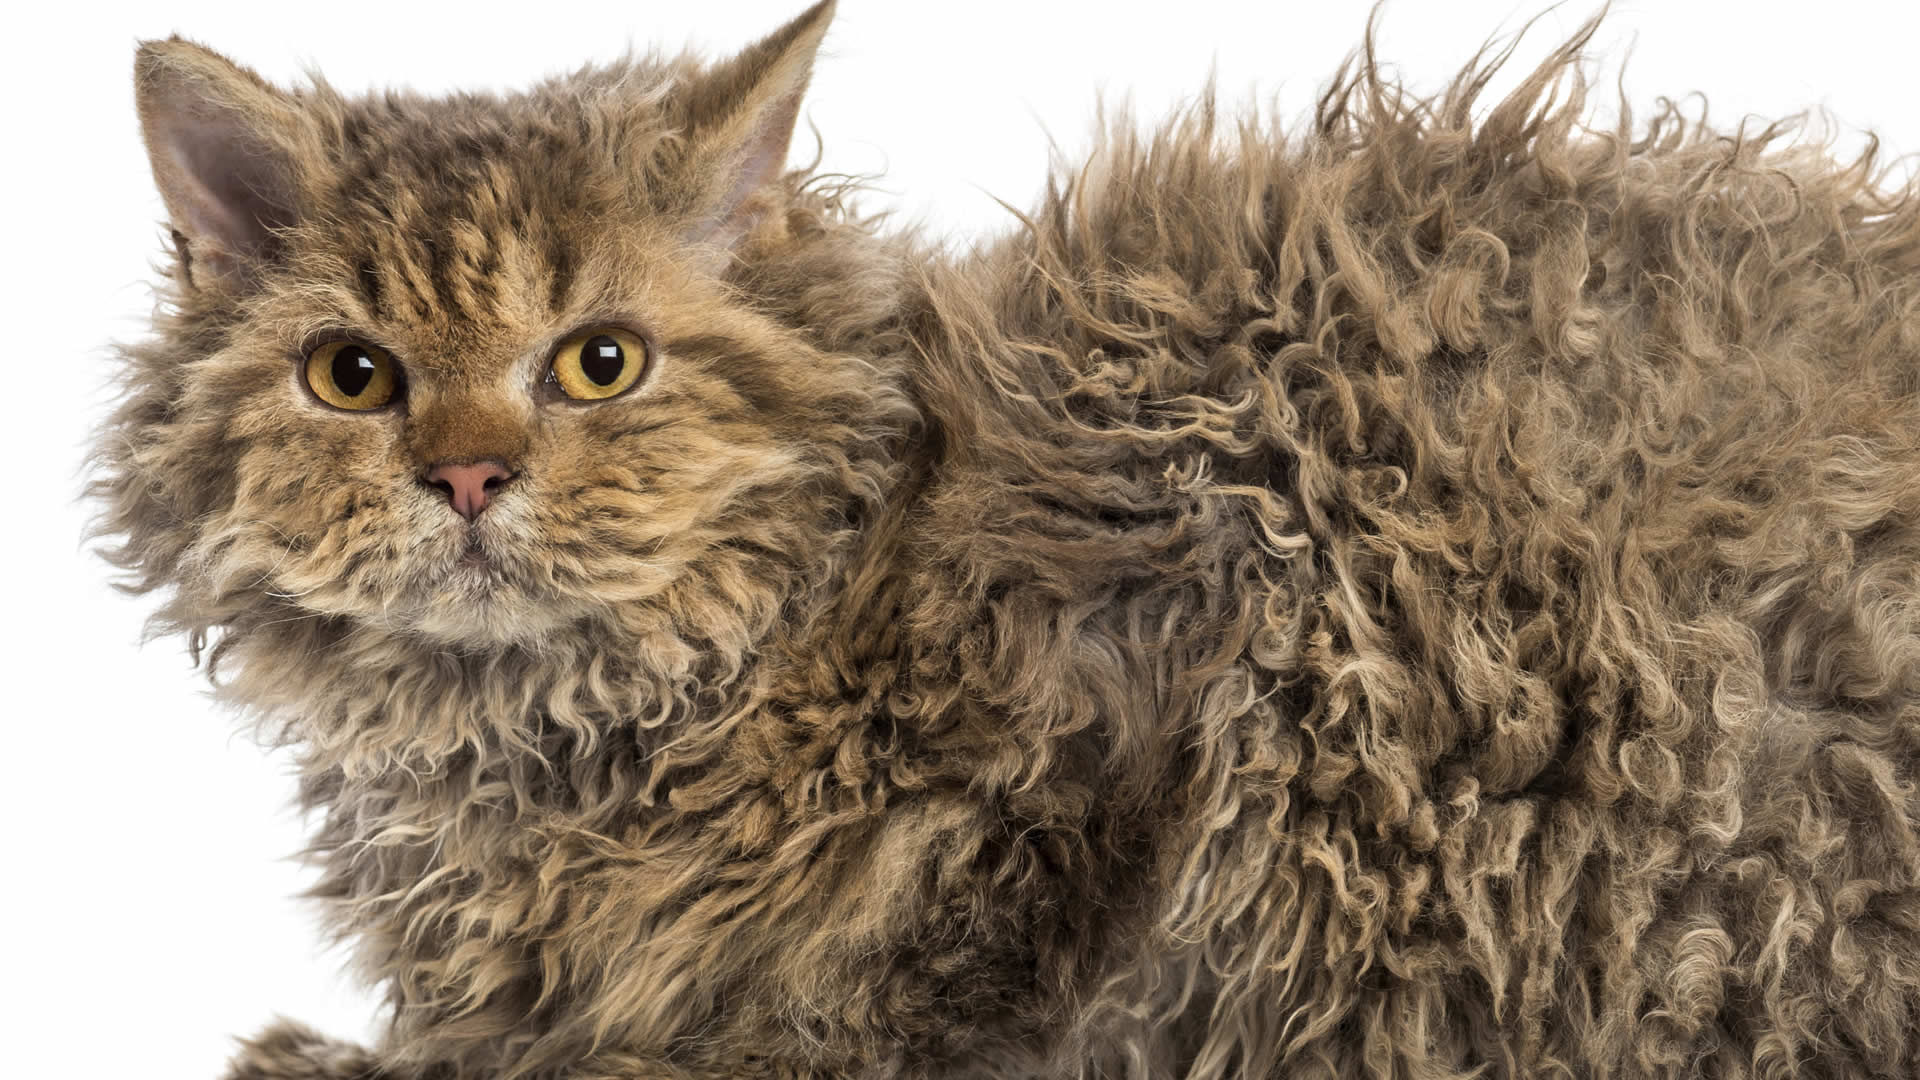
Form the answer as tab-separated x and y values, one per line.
222	145
741	115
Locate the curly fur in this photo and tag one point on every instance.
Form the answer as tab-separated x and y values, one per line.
1428	595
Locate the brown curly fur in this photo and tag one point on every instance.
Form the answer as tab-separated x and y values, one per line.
1428	595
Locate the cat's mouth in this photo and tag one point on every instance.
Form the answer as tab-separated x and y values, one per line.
472	557
475	556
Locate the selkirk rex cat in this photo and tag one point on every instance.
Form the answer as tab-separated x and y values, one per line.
1433	593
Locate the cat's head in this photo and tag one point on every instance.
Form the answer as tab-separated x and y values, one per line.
484	371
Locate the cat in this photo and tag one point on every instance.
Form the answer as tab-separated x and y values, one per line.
1429	594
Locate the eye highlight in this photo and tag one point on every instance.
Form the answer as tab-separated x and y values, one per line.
598	363
352	375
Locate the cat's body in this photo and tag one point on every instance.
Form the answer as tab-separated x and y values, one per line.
1424	600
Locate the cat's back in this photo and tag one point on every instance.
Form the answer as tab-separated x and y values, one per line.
1522	520
1468	337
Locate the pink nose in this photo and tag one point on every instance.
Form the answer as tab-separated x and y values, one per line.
469	487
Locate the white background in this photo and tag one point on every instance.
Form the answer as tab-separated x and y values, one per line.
147	904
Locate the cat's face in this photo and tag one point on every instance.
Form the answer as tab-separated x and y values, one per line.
468	369
592	503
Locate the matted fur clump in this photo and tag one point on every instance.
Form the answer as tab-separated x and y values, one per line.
1427	594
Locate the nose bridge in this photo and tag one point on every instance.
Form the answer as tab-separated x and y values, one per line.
463	425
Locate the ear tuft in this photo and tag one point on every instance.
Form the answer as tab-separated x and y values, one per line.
741	116
221	143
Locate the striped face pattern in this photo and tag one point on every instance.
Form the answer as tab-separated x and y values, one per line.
509	308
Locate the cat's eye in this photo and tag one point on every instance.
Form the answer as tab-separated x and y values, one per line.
598	364
352	375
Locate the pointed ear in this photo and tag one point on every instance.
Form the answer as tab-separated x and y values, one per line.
740	121
222	144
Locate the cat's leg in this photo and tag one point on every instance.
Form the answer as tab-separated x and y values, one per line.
293	1051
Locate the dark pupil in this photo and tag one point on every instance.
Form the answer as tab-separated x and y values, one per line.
352	370
601	358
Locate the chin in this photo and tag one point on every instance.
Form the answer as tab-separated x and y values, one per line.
477	609
474	595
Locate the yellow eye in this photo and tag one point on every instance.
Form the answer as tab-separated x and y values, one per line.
598	364
350	375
